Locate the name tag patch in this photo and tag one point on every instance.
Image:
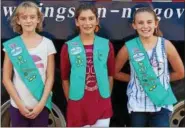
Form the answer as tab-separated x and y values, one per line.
76	50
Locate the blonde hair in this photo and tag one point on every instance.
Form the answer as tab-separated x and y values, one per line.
157	31
13	19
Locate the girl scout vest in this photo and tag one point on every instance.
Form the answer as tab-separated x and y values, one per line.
78	62
146	75
26	68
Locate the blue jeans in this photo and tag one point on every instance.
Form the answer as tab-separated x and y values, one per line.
151	119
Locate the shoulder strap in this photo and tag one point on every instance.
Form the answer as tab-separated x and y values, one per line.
146	75
26	68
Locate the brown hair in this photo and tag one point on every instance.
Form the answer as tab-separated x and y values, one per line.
157	31
87	6
13	19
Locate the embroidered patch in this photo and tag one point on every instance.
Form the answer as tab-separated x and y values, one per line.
100	55
142	68
144	79
76	50
15	49
74	43
152	88
30	78
138	56
79	60
20	60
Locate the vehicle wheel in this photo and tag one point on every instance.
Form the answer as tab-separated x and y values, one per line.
4	94
177	118
56	118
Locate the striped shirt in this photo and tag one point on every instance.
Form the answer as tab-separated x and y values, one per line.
138	101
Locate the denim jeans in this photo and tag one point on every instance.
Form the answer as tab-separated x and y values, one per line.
151	119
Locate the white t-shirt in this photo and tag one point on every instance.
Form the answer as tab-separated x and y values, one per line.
39	55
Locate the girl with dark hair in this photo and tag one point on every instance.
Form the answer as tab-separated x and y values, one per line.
87	68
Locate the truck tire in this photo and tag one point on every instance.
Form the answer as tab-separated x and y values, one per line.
178	116
56	118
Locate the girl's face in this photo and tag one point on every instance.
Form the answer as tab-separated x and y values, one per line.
86	22
145	24
28	19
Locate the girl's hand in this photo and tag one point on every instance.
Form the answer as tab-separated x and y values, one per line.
24	110
36	111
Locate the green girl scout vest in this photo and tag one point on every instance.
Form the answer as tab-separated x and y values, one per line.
78	62
146	75
26	68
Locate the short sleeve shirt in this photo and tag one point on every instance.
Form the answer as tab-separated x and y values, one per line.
39	55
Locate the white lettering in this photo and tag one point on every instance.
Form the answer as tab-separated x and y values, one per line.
47	10
40	8
180	11
102	12
168	13
158	12
71	12
8	10
60	12
126	13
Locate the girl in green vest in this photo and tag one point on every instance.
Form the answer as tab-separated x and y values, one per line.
87	68
150	98
30	57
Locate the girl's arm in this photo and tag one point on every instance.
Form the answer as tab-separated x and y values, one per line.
65	70
7	73
111	82
65	85
175	61
111	65
47	88
121	59
49	79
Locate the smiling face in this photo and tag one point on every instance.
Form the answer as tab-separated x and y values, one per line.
28	19
86	22
145	24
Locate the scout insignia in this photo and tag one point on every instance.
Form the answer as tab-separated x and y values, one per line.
15	49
